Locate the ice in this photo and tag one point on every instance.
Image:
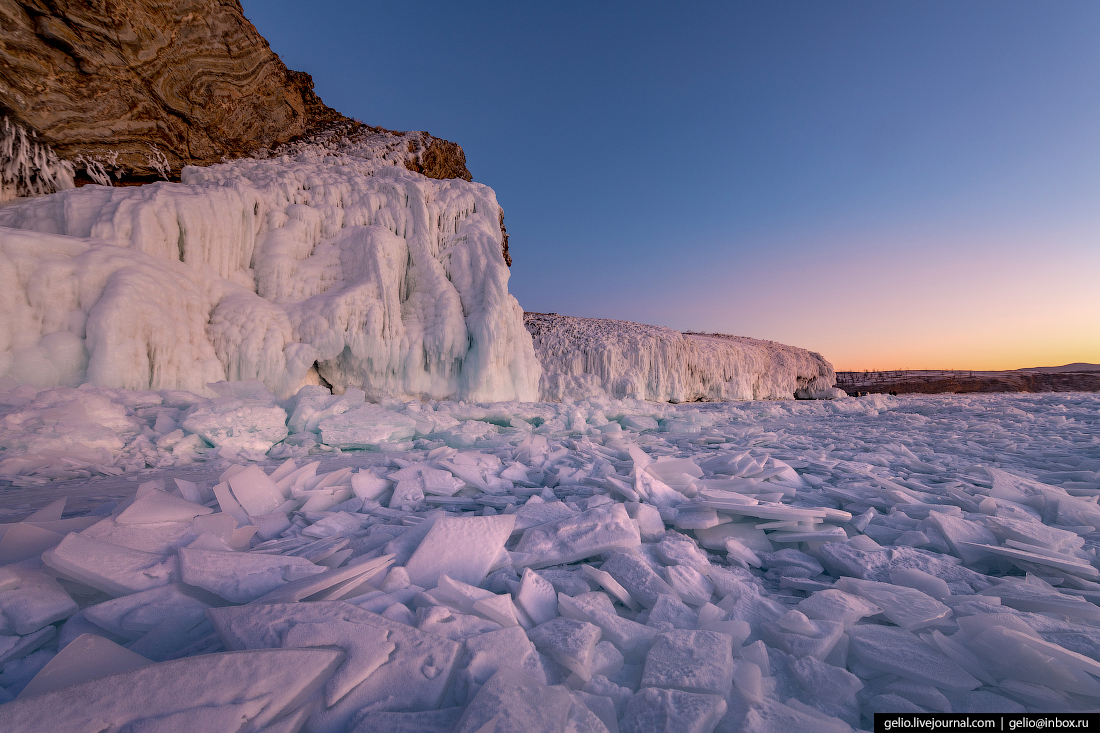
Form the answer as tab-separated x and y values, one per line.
1013	623
677	550
669	612
8	579
314	403
463	548
1008	653
158	506
537	597
428	721
132	615
235	424
922	581
384	279
365	649
597	609
568	642
161	538
793	716
487	653
534	513
928	697
210	692
962	656
341	577
962	534
836	605
745	534
415	676
29	166
639	579
691	661
610	585
1041	557
113	569
1032	597
511	702
654	709
367	426
460	596
445	622
16	647
909	608
577	537
240	577
87	657
24	541
500	609
606	660
255	492
799	636
583	720
825	681
1035	533
980	701
692	586
900	652
585	357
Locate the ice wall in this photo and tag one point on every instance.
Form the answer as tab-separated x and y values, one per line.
587	357
333	264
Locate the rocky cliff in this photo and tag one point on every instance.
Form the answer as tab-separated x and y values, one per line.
136	89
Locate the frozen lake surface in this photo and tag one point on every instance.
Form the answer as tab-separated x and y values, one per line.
590	566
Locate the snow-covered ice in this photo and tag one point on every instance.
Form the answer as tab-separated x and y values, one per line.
588	357
328	263
717	567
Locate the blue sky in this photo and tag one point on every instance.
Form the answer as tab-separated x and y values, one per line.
894	185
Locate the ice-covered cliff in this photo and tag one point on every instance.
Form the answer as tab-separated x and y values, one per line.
586	357
332	263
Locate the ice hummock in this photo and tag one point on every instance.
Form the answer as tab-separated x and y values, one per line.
718	567
334	263
588	357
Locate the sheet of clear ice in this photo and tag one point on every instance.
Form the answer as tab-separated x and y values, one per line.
592	565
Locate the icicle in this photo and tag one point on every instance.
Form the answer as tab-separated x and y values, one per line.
29	167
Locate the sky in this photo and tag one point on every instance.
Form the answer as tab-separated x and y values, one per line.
903	185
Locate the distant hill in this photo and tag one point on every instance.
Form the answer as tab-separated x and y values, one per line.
1077	377
1068	368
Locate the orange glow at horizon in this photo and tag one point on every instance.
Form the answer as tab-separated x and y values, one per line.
988	301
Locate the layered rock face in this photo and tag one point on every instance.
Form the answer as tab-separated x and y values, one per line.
143	87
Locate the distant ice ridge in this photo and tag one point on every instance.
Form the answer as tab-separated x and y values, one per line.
387	281
587	357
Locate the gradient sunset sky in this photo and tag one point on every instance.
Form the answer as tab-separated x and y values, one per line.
894	185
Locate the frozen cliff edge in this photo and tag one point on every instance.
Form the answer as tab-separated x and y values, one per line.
596	357
334	264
